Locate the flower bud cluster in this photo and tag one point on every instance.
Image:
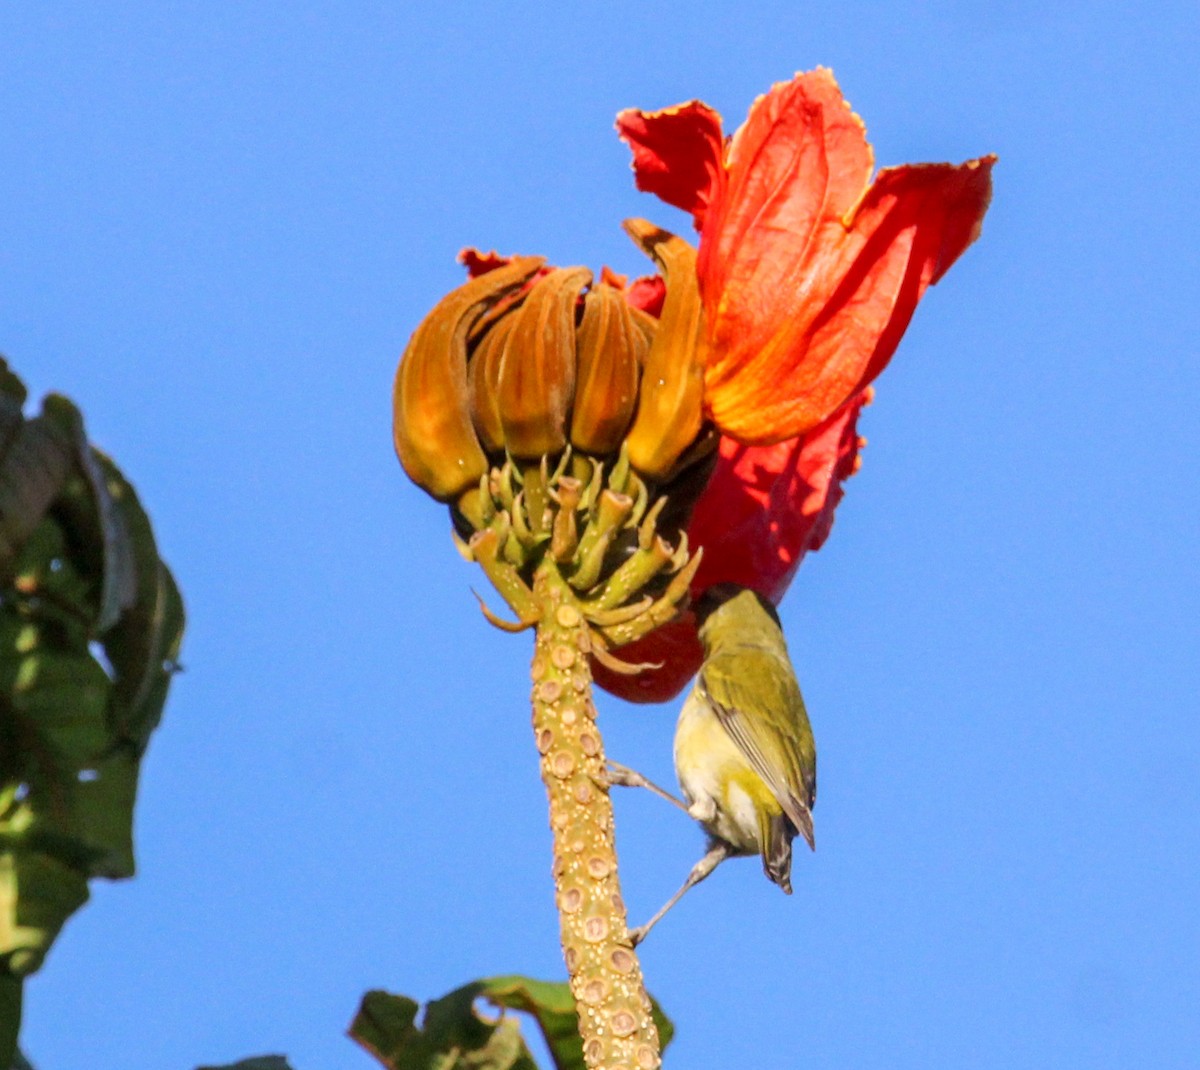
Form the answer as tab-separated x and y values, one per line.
563	424
525	361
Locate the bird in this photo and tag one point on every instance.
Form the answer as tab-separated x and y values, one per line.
745	754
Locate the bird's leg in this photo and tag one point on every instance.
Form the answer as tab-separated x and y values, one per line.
717	854
623	776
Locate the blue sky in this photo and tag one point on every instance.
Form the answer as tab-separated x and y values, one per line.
221	222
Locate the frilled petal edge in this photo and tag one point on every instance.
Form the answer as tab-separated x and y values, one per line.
677	154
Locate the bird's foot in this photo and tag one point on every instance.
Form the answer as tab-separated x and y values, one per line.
622	776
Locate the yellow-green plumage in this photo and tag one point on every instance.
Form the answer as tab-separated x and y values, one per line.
744	749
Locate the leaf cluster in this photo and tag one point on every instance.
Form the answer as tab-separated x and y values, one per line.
90	628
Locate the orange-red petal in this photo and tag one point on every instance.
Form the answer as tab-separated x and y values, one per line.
943	205
647	293
677	154
796	167
766	506
675	647
809	277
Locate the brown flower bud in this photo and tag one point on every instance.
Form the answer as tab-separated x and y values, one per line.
645	323
484	372
537	371
432	428
611	350
670	404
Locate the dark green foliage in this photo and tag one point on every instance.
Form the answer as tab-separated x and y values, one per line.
455	1035
260	1062
90	627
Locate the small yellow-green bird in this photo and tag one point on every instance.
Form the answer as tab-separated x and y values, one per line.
744	749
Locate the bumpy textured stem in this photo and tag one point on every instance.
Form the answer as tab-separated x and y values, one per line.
614	1011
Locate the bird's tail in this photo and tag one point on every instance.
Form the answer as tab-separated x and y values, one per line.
777	852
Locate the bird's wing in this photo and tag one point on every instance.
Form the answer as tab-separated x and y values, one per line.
778	744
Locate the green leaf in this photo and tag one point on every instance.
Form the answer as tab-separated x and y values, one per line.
62	699
69	746
78	784
119	592
37	895
104	804
385	1024
53	589
259	1062
95	519
453	1034
90	629
10	1017
12	406
11	415
34	468
10	385
143	646
553	1008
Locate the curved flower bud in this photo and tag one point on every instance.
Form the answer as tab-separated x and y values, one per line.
536	380
612	348
432	429
671	400
484	373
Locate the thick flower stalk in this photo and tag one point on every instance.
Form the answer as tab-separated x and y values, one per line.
606	977
574	506
609	451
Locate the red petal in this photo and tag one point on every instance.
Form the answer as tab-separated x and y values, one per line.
809	279
797	165
763	510
677	154
832	454
647	293
766	506
943	205
478	263
676	646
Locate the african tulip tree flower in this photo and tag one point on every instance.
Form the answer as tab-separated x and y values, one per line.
809	274
608	450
